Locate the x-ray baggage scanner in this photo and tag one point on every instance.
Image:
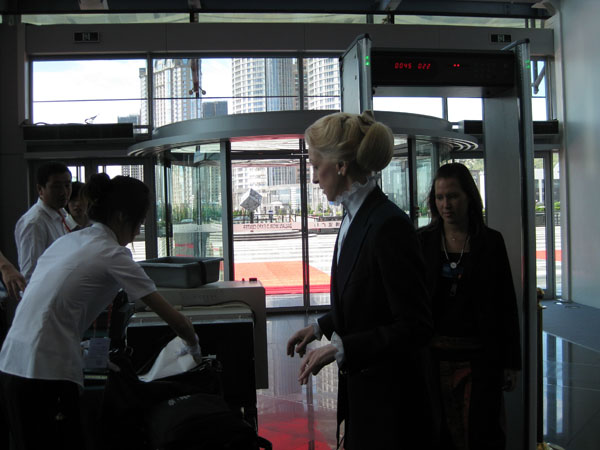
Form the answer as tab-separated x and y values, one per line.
221	302
230	320
503	80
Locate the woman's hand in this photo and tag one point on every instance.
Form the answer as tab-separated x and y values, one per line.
510	380
193	349
13	280
315	360
299	340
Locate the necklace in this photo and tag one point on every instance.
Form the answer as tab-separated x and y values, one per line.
454	265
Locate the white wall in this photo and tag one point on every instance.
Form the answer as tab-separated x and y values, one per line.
580	63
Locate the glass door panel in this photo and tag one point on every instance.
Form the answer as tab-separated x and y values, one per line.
267	228
324	220
425	170
195	202
476	167
77	173
541	256
556	216
395	181
138	246
163	224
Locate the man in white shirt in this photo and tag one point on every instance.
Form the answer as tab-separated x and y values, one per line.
44	222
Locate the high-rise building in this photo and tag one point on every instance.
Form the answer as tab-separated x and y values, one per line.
175	85
143	75
322	83
132	118
212	109
264	84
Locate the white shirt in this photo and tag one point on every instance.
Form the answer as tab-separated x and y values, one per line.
35	231
76	278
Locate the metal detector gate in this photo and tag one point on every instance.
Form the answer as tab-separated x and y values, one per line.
502	80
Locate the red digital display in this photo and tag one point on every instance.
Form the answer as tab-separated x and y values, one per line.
412	65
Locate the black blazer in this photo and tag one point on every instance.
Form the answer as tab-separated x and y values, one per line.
488	280
381	311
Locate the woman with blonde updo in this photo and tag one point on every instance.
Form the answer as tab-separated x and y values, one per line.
380	320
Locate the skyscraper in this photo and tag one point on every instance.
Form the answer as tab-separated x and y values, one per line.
177	90
264	84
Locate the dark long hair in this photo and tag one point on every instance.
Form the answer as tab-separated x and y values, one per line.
121	195
460	173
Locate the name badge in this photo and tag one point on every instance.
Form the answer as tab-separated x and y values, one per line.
97	354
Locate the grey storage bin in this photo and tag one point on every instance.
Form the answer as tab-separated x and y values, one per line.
181	271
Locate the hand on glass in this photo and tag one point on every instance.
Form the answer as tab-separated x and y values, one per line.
510	380
315	360
299	340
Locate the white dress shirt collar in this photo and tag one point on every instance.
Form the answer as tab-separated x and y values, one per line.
352	200
107	230
53	213
356	195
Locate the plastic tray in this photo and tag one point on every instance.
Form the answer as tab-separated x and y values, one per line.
182	272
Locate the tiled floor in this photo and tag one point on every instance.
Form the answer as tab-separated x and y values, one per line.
571	394
303	417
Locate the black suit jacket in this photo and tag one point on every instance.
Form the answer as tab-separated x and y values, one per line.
488	280
381	311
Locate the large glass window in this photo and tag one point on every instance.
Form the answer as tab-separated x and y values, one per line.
138	246
322	83
429	106
539	90
464	109
193	88
213	17
89	91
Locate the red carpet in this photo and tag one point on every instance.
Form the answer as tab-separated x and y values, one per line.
282	277
291	434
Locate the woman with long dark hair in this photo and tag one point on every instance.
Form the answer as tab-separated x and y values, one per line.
76	278
476	346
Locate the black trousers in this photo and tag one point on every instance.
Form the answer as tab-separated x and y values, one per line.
41	413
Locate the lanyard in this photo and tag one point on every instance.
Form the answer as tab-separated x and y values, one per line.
62	218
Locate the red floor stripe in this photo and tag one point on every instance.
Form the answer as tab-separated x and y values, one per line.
541	254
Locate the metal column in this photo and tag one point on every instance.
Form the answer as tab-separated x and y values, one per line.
510	206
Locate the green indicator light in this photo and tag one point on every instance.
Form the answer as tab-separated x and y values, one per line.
367	62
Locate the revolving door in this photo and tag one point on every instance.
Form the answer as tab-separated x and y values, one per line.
239	187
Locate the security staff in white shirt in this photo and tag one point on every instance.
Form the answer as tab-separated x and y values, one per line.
44	222
77	277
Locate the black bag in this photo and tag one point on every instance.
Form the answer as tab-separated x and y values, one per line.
200	422
127	399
